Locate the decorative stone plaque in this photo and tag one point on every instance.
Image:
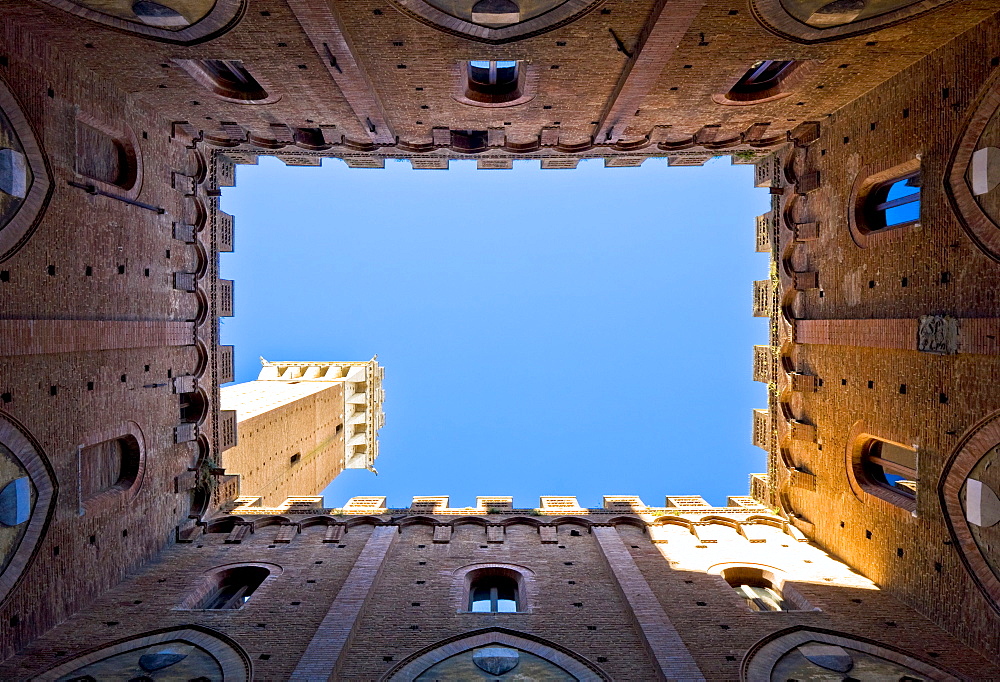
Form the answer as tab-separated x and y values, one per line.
937	334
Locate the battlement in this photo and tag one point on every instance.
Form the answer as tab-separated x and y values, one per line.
548	505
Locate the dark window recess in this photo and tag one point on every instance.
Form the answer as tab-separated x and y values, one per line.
894	203
102	157
232	588
109	465
193	407
295	458
759	593
226	78
761	80
493	82
890	466
493	594
469	140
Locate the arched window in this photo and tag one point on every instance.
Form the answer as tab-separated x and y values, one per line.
760	593
493	82
227	78
193	406
890	466
102	157
761	81
232	588
893	203
109	465
493	594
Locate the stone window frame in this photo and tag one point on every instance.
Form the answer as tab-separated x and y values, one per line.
21	226
974	445
567	12
787	79
527	84
866	490
17	439
775	18
573	663
772	574
235	663
110	498
765	654
461	584
209	579
122	134
223	16
868	180
195	69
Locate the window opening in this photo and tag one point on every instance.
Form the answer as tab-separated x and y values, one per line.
109	465
226	77
99	156
234	587
493	81
493	594
759	593
895	203
891	466
762	80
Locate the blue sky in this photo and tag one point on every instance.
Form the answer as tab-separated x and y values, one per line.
578	332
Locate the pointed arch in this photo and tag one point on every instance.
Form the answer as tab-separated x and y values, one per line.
28	496
156	21
29	186
773	651
197	648
571	662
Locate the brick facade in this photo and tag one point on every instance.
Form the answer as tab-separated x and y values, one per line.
110	297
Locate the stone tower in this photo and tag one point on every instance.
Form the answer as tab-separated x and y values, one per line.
302	423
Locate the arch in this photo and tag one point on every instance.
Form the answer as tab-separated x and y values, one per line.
193	406
418	521
467	520
224	525
26	180
111	467
971	522
671	520
816	21
163	23
365	521
765	660
192	648
522	520
574	664
27	495
265	521
230	586
720	520
766	80
491	90
628	521
860	479
318	521
463	577
457	18
977	213
228	79
762	575
571	521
